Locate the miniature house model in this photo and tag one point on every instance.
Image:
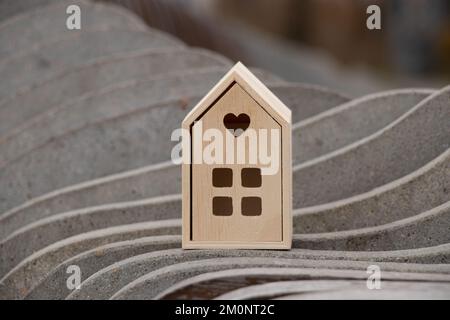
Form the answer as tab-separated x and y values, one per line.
237	186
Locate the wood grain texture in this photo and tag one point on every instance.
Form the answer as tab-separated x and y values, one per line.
238	92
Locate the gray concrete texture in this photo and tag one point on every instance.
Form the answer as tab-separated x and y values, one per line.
409	230
376	207
44	232
9	9
19	108
85	123
435	173
48	24
18	173
419	191
336	123
94	260
379	206
42	62
16	283
303	143
112	102
279	290
426	229
108	281
394	291
319	98
32	270
379	158
154	282
134	98
226	285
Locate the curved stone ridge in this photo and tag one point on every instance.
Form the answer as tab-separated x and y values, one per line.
17	110
37	235
153	283
428	228
230	284
47	24
404	145
17	282
96	259
41	62
303	141
410	195
133	108
85	121
10	9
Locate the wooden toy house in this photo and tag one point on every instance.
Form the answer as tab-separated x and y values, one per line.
238	198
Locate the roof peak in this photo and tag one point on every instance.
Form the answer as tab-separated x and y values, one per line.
241	75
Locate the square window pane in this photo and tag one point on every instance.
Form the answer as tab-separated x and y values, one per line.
251	177
222	177
222	206
251	206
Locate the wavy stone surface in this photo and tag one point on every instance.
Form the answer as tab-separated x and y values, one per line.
18	110
85	123
47	24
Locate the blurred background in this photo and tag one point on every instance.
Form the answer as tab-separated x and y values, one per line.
324	42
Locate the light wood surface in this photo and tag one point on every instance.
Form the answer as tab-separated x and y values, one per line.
239	92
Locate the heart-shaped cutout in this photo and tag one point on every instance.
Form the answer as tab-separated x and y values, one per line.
236	125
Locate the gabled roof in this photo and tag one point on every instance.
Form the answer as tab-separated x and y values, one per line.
253	86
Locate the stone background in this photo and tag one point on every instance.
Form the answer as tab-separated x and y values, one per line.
86	177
